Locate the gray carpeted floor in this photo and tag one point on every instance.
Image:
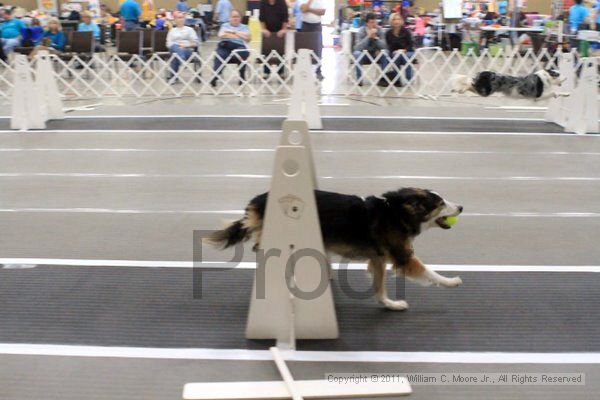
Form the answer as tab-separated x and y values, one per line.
526	312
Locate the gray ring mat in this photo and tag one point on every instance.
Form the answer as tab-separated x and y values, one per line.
274	123
154	307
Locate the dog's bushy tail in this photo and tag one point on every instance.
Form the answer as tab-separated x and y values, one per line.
231	235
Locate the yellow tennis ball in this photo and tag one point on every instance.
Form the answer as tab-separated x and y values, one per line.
451	220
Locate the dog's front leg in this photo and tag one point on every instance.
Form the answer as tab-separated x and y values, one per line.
416	271
377	269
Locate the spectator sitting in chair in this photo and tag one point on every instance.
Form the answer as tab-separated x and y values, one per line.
12	29
233	38
370	38
181	41
400	45
53	40
32	36
87	25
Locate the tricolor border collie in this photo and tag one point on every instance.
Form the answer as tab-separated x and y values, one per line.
539	85
378	229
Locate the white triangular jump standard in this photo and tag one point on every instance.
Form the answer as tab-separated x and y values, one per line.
289	303
34	103
48	90
577	112
291	297
304	102
26	105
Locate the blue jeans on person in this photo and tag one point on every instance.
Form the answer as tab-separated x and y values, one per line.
183	52
131	25
362	57
401	60
8	45
237	58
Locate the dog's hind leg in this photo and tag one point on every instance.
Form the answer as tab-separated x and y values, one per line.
377	269
416	271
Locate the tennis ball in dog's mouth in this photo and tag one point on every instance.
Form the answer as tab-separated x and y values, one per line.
450	221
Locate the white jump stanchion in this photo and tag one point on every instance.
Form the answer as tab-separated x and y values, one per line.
578	112
558	107
583	112
284	304
304	102
52	107
287	302
26	105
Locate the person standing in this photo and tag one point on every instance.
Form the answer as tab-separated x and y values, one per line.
578	14
312	12
147	12
130	11
273	20
12	29
222	11
181	6
273	17
297	13
181	41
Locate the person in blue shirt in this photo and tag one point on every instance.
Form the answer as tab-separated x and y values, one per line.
130	11
53	40
87	25
578	14
222	11
298	15
233	37
181	6
32	35
502	7
12	32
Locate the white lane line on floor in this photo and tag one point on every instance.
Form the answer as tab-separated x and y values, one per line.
252	265
315	356
263	176
97	210
368	117
258	150
271	131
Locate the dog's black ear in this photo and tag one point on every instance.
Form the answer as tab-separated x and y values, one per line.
553	73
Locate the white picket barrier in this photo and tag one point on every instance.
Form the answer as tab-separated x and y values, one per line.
34	103
577	112
304	103
143	77
291	296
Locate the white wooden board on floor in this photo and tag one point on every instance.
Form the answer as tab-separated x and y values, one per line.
278	390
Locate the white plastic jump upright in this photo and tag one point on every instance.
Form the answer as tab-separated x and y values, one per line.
34	103
291	229
304	102
289	303
52	107
26	104
577	112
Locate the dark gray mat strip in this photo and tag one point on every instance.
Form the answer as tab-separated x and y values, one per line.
527	312
42	377
271	123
